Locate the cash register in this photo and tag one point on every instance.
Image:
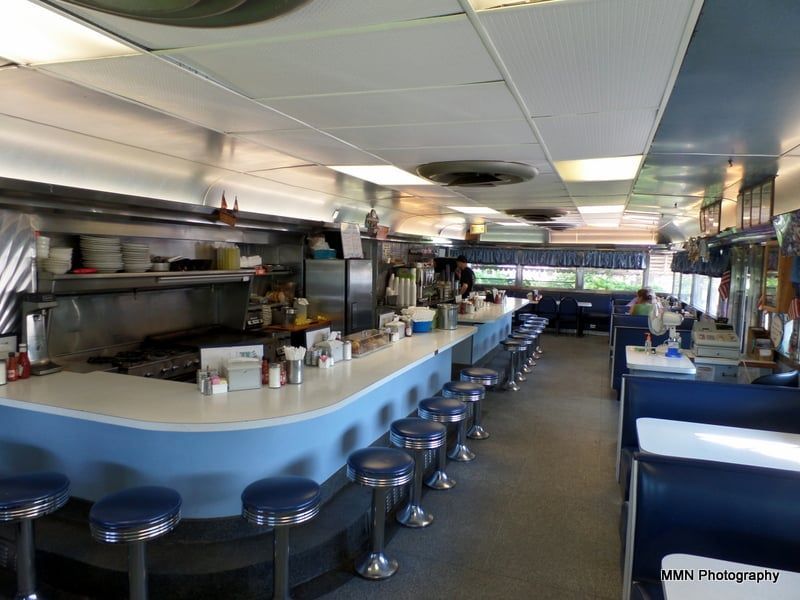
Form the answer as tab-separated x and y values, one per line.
715	340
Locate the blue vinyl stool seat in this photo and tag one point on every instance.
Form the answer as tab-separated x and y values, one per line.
446	410
280	502
133	517
514	348
465	391
380	469
486	378
24	498
417	435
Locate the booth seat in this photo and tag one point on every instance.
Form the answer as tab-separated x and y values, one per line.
634	335
718	510
751	406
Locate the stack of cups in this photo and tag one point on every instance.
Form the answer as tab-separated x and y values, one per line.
42	251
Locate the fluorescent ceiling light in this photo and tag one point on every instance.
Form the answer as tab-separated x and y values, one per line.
603	223
382	174
475	210
31	34
611	208
512	224
599	169
489	4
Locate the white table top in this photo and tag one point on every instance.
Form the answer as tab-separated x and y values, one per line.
492	312
754	447
156	404
638	359
710	584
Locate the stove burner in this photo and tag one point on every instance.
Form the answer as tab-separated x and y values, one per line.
100	360
172	362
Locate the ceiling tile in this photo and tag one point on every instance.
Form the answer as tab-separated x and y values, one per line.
599	188
599	200
580	57
598	135
411	158
472	102
319	15
439	134
173	90
311	146
445	51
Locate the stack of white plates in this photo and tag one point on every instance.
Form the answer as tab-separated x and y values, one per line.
42	247
136	257
59	260
101	253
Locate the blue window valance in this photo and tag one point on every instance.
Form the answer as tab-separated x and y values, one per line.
719	261
554	257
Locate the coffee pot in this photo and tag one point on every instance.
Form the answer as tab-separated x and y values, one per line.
35	312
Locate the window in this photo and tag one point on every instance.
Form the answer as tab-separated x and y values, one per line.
685	293
612	279
660	277
700	292
549	277
713	297
495	274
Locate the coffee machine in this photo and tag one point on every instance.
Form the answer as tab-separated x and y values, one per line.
35	309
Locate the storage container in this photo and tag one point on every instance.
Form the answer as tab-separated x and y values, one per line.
368	341
326	253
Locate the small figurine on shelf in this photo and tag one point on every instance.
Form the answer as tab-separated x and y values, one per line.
225	214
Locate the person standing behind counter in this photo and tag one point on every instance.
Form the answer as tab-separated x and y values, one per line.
466	276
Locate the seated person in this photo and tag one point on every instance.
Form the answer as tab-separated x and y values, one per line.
643	303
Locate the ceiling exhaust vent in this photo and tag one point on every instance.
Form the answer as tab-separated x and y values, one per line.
543	217
194	13
476	173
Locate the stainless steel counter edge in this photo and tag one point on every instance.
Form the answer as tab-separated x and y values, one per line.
158	405
493	312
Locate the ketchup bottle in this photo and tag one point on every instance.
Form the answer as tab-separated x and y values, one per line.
23	362
11	367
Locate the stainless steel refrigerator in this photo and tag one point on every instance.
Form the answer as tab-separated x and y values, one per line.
342	291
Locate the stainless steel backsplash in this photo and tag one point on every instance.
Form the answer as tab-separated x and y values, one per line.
16	269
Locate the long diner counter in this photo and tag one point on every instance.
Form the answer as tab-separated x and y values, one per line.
107	431
493	324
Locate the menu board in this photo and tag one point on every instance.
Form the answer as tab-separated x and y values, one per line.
351	241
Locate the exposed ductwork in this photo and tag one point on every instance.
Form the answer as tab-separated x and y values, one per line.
476	173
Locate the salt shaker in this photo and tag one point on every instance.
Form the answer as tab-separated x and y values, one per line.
274	375
347	350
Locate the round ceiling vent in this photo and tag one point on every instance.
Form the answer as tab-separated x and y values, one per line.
543	217
477	173
194	13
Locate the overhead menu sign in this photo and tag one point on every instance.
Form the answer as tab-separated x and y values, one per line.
351	240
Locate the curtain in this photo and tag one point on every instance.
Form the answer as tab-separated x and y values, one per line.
487	255
719	261
554	257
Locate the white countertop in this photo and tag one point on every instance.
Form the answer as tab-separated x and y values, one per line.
774	584
638	359
155	404
493	312
754	447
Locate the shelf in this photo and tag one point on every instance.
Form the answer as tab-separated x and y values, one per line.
106	282
273	273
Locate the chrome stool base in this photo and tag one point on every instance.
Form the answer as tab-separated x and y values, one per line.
376	565
440	480
520	378
461	453
413	515
526	368
511	386
33	596
476	432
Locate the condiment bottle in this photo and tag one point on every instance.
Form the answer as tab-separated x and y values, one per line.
265	372
11	367
23	362
347	350
275	375
3	372
648	343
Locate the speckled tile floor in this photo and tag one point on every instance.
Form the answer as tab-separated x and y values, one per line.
535	515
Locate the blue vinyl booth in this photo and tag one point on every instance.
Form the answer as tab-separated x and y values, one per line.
751	406
717	510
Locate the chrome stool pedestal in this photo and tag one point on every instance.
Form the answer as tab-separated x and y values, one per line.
281	502
418	435
471	393
486	378
444	410
513	347
24	498
133	517
379	469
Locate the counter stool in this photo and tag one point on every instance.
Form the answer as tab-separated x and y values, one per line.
487	378
280	502
538	329
532	337
133	517
522	368
380	469
24	498
418	435
468	392
445	410
513	347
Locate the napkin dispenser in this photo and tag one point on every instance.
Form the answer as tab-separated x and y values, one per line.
243	374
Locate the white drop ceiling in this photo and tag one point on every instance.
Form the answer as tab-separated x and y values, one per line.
266	107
